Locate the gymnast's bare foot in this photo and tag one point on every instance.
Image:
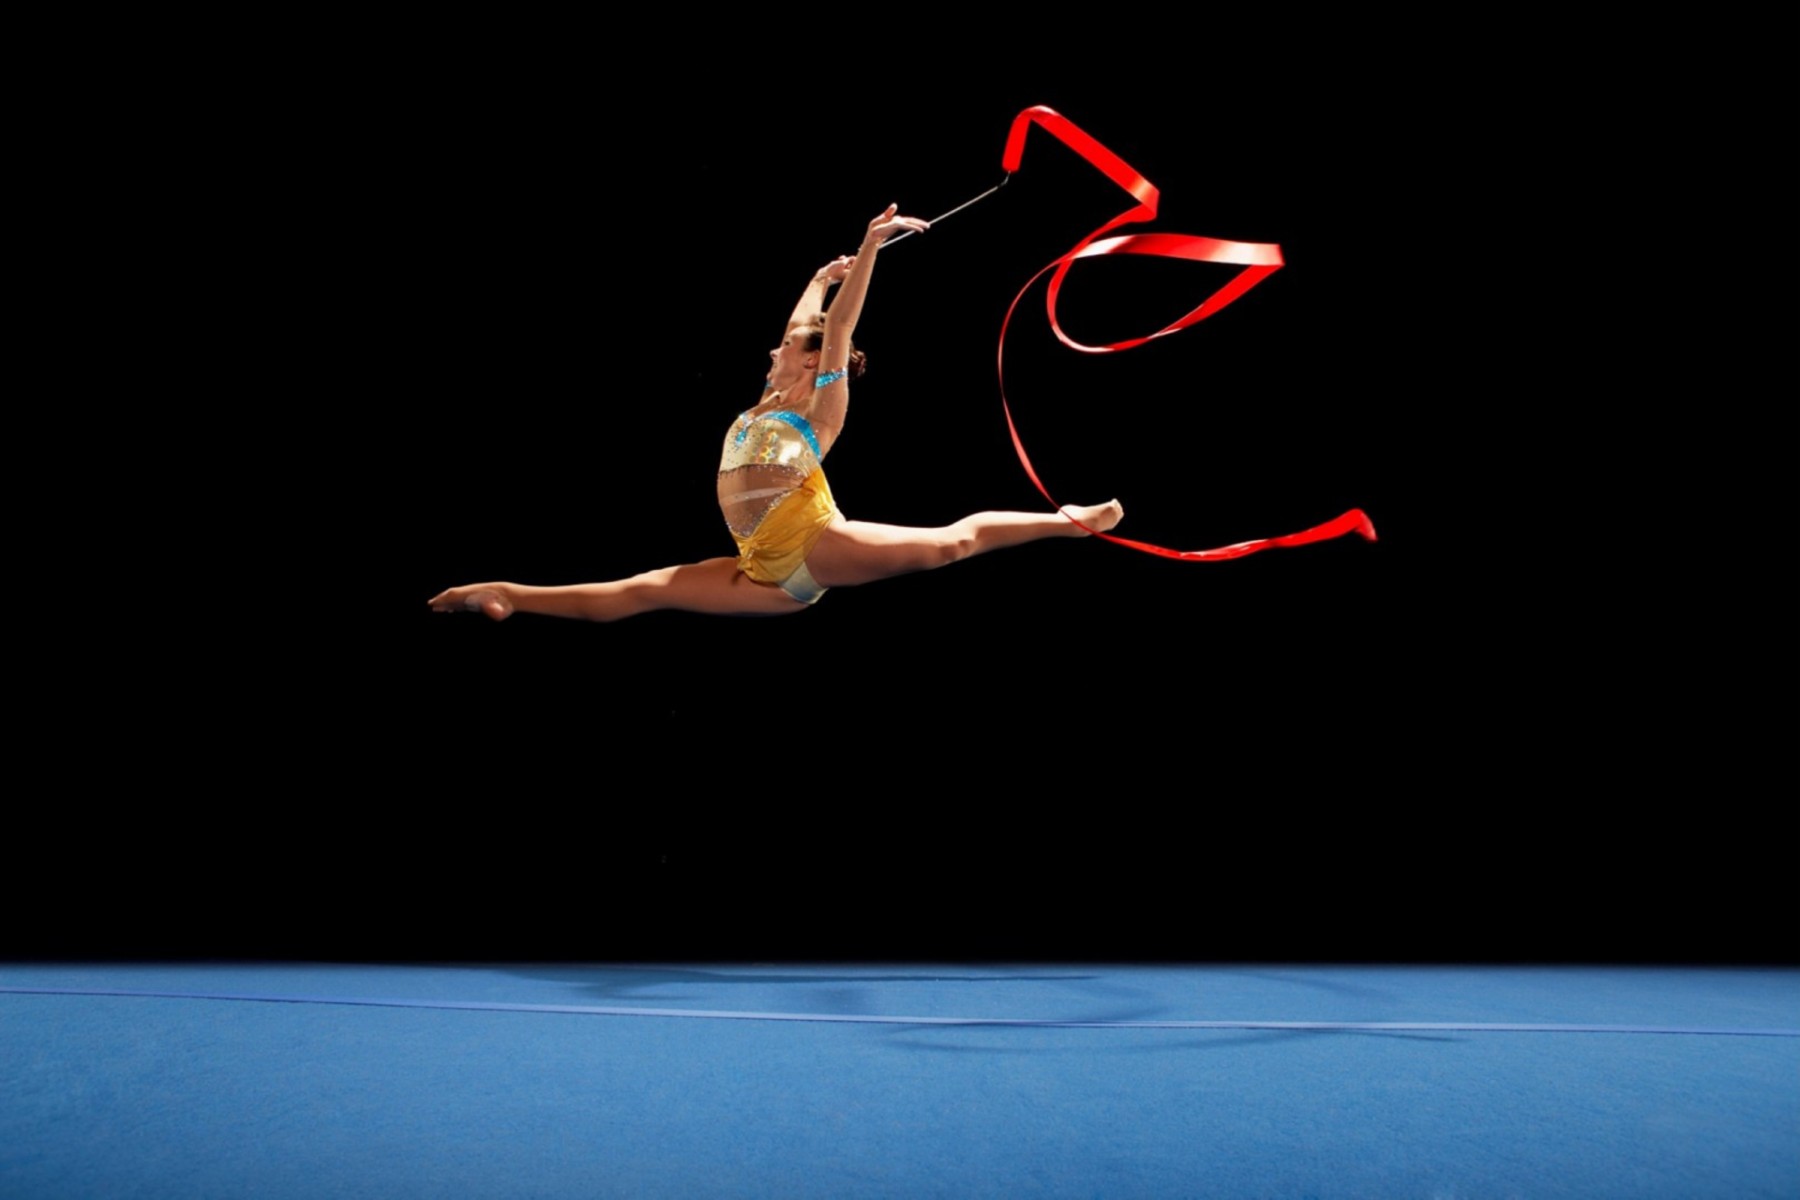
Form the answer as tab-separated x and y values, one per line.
489	598
1097	517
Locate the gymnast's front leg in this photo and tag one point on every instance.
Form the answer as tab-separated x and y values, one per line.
857	552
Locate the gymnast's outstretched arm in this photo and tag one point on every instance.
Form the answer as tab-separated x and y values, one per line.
846	310
830	403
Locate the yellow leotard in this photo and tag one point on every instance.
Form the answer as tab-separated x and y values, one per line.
776	502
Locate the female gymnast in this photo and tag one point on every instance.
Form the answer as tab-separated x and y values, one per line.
793	544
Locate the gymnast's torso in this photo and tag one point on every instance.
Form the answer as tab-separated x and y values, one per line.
767	455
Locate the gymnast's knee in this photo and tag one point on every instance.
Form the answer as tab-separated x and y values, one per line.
958	542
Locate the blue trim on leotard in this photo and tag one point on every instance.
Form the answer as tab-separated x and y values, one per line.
797	421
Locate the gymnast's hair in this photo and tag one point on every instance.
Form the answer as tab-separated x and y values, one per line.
814	332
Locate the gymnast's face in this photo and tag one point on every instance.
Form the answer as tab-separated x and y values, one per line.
791	359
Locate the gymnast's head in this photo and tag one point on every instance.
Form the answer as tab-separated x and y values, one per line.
811	337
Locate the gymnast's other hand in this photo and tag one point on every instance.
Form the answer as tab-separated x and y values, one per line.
489	598
835	270
888	224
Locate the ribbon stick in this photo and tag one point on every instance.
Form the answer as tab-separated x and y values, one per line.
902	237
1259	260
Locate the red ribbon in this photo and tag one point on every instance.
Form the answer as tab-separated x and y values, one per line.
1259	260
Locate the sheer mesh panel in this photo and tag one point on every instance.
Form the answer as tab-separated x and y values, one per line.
764	459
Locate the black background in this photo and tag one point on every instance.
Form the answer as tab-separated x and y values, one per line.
1537	320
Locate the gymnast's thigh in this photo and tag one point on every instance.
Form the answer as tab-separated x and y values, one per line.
854	552
718	586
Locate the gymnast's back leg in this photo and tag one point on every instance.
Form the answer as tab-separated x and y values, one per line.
714	586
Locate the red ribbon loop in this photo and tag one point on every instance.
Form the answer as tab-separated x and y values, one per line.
1259	260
